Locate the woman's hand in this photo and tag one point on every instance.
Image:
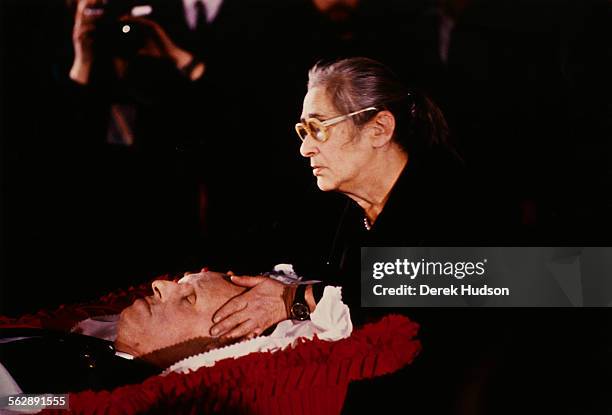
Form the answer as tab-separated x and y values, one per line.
250	314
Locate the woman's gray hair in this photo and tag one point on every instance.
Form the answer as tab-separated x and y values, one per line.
357	83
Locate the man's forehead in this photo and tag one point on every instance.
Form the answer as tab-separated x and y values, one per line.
192	278
202	277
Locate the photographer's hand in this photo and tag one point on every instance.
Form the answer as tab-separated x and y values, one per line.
159	45
88	13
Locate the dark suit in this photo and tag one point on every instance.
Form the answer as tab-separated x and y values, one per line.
57	362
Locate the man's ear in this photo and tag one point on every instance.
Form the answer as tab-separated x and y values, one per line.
382	128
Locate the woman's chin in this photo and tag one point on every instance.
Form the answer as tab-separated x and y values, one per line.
325	185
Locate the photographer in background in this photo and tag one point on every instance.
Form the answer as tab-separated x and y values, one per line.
137	103
118	45
157	98
92	17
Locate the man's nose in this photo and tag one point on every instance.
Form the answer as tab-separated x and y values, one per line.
163	290
309	147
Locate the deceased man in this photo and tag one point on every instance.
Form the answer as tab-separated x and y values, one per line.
164	332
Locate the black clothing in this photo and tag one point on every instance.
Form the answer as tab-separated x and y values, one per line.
472	359
428	206
47	361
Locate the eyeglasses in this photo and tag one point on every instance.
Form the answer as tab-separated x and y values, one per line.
317	129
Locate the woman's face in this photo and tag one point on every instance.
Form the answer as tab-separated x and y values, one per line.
338	163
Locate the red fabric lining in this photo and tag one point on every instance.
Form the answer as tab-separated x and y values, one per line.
311	378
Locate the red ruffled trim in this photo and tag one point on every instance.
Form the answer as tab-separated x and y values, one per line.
311	378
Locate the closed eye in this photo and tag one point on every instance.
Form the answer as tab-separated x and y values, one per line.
191	298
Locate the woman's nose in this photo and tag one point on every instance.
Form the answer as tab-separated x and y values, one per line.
163	290
308	147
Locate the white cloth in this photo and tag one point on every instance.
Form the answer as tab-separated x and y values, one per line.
284	273
212	9
102	327
8	386
330	321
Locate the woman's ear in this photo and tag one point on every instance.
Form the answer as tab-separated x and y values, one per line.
382	128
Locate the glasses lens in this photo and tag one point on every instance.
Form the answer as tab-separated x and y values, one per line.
301	131
317	130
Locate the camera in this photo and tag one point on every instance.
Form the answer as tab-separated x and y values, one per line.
116	37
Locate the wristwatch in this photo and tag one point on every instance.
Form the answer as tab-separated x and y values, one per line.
299	308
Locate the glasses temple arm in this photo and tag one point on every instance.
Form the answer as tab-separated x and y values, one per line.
339	118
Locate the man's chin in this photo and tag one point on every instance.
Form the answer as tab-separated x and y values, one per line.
124	347
127	332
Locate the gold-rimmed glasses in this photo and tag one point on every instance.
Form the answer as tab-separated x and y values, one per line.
318	129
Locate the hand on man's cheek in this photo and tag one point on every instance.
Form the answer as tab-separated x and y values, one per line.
250	314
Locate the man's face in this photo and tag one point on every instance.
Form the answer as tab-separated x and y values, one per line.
174	313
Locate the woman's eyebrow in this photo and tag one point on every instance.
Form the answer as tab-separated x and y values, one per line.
315	115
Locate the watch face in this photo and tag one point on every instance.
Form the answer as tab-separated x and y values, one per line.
300	312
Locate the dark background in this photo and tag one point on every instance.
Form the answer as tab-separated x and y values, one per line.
217	179
525	89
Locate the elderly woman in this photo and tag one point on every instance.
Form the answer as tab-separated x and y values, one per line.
384	146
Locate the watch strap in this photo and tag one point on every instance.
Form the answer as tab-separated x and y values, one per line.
299	308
